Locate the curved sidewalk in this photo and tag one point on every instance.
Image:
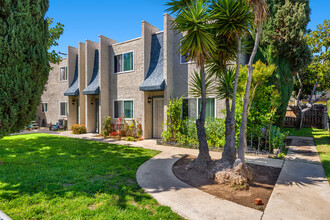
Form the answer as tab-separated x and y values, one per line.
158	180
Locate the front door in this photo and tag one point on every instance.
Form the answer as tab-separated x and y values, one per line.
97	116
157	117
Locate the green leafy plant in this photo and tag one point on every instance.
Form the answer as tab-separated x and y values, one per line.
129	138
189	131
173	123
277	138
78	129
106	128
215	132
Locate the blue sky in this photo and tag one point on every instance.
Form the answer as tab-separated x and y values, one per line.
121	20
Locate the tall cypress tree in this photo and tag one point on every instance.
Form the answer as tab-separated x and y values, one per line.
283	44
24	66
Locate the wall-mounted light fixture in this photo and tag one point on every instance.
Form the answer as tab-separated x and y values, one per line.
92	101
149	100
73	101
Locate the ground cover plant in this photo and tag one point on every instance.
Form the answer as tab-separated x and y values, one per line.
50	177
322	142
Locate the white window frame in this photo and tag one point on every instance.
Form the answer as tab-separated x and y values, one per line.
215	105
44	108
197	104
123	107
65	109
66	71
127	71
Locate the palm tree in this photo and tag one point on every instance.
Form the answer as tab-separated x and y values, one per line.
177	6
194	20
232	20
260	10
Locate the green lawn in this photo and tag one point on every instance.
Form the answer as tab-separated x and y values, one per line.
322	142
50	177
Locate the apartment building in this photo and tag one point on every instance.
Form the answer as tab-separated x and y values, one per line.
134	79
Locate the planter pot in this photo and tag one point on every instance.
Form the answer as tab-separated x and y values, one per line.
118	137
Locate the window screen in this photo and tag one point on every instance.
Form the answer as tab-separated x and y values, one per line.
63	109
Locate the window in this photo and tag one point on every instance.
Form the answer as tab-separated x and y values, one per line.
123	62
63	109
63	74
123	108
44	107
191	107
210	107
183	59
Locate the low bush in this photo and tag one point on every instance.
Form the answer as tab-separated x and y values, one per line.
277	138
106	128
78	129
184	132
130	139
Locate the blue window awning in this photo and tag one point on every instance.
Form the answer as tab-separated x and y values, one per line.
155	78
73	90
93	87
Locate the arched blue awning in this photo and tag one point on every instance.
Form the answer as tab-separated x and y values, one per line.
155	78
93	87
73	90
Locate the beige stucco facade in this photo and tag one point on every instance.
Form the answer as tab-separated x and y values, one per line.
53	95
125	85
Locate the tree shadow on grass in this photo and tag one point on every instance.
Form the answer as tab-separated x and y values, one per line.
54	166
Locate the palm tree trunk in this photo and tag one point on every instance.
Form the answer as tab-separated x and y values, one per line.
246	99
204	155
229	153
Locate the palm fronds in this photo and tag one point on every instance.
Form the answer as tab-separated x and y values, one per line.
225	83
198	42
195	85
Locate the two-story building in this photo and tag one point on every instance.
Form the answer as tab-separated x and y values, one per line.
131	79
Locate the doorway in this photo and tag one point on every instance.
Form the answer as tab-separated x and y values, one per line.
157	117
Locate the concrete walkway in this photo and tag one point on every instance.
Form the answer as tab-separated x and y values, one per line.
3	216
302	190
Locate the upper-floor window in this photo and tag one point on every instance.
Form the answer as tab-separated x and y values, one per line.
184	60
63	109
123	108
44	107
124	62
63	73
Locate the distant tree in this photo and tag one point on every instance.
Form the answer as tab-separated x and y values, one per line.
316	77
260	10
282	43
259	88
55	33
24	61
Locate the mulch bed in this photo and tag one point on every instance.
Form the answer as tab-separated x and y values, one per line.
264	180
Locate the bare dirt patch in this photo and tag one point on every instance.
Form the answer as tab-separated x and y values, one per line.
264	180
